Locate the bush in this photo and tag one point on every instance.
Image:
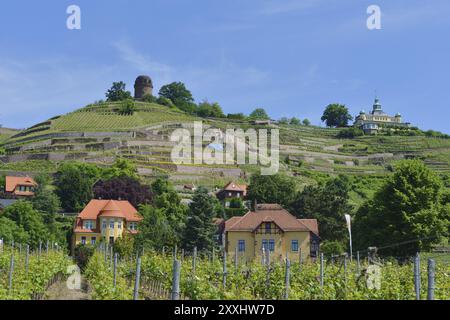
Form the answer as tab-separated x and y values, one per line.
329	248
82	255
149	98
165	102
127	108
350	133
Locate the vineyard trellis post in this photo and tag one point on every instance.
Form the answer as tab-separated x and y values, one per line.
27	254
115	270
175	249
358	262
300	258
111	257
46	248
137	279
213	254
417	275
268	257
11	272
40	248
287	279
20	249
176	280
224	276
345	274
1	245
236	259
431	275
321	270
194	260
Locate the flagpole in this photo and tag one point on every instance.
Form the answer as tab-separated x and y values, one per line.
348	218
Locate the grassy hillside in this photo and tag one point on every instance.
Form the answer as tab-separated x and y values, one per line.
98	134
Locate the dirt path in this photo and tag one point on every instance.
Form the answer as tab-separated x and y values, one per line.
60	291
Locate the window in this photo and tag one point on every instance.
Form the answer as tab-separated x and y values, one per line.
88	224
265	245
241	245
83	240
111	224
268	227
132	226
104	224
272	245
119	225
294	245
93	240
111	240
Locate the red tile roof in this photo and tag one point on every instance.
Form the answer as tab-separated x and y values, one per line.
270	213
11	183
231	186
110	208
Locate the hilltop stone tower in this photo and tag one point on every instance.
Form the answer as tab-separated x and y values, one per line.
143	86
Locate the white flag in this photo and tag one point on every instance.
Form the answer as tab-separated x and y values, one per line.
349	222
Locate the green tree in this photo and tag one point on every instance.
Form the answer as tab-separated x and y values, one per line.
295	121
29	220
200	229
259	114
406	214
306	122
207	109
74	182
328	203
284	120
179	95
336	115
155	230
277	188
121	168
10	231
117	92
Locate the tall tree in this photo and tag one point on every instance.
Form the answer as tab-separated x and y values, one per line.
328	203
259	114
406	214
179	95
123	188
200	229
118	92
277	188
74	182
336	115
29	221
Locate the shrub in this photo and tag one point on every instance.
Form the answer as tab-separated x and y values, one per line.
350	133
149	98
127	108
332	248
165	102
82	255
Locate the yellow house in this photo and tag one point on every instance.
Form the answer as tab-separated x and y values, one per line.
271	229
105	220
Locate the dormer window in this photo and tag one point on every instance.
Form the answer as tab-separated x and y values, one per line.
132	226
88	224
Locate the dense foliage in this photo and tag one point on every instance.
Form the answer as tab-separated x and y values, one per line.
407	208
118	92
27	282
336	115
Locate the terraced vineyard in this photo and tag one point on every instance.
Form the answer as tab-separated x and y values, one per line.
99	134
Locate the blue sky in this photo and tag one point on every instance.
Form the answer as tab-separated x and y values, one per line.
292	57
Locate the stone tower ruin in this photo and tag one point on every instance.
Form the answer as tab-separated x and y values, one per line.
142	86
